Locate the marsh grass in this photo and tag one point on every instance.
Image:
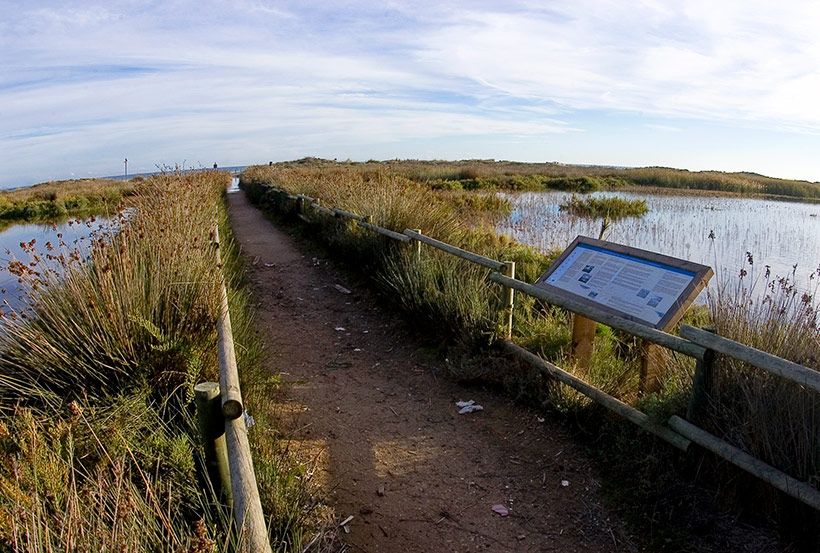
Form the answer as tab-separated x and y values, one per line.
96	376
115	479
508	175
98	449
766	415
141	307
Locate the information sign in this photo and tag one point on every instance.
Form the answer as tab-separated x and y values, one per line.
635	284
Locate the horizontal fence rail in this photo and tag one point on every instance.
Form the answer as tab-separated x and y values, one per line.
766	361
611	403
321	209
347	214
247	507
696	343
780	480
385	232
456	251
228	375
647	333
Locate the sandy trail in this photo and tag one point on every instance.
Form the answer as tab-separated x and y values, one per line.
369	394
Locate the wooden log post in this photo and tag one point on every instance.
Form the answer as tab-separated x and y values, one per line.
702	384
418	245
653	361
247	507
509	299
212	436
583	341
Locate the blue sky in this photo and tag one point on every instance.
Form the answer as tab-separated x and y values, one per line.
698	84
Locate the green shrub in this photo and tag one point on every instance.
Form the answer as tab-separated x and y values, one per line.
609	208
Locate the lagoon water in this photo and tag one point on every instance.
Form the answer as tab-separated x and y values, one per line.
76	235
778	234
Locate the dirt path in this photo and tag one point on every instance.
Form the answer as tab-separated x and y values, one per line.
396	454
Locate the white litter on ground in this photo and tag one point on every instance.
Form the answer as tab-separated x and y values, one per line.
468	407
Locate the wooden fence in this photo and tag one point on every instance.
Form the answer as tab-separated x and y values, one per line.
224	435
696	343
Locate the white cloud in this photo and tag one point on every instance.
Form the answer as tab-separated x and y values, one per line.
83	85
733	61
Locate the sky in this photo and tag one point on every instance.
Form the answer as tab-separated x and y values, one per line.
697	84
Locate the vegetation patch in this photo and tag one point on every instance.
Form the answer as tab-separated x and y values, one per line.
509	175
456	303
606	208
56	200
98	442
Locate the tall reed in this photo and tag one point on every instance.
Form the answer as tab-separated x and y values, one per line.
766	415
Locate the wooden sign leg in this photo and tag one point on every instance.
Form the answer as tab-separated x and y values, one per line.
583	337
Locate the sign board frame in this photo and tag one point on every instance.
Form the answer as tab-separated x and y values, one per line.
700	275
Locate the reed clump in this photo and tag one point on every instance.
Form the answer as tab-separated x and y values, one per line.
98	448
96	375
772	418
605	208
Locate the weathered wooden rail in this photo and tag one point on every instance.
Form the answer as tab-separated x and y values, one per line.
696	343
225	434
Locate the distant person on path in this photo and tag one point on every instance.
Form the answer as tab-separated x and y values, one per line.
214	165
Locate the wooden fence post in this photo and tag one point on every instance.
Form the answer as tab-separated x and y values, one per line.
702	383
509	298
212	435
583	339
653	360
418	245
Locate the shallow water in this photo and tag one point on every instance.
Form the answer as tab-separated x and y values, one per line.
76	235
778	234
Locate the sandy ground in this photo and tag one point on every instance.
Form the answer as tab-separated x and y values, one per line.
367	394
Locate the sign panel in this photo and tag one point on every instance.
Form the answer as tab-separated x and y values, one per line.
639	285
